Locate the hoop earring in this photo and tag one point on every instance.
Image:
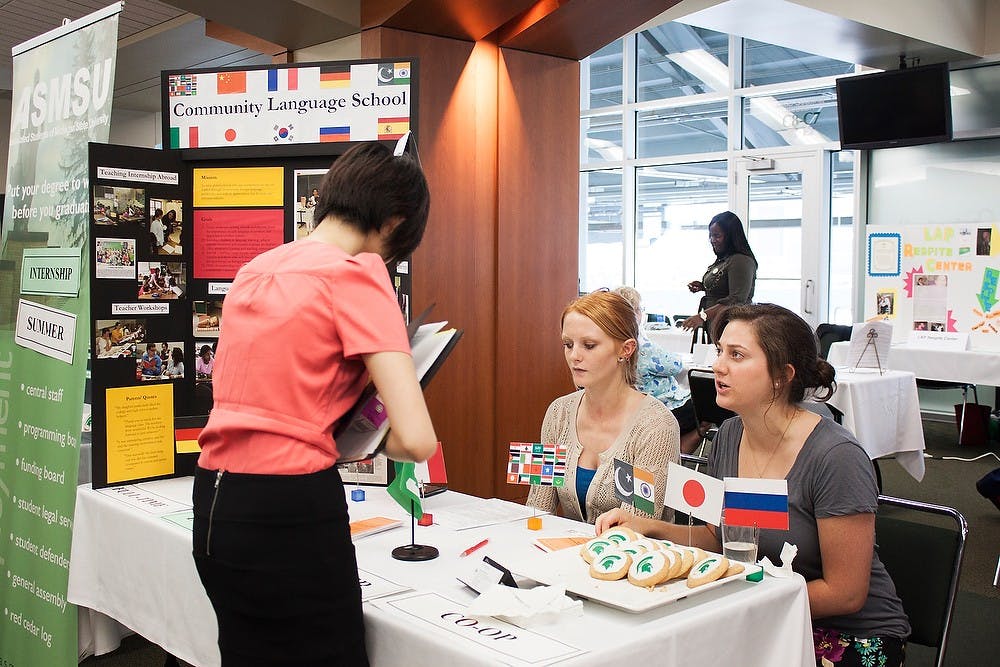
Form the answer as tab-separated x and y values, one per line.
621	359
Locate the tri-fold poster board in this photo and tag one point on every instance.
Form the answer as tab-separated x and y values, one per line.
935	282
170	229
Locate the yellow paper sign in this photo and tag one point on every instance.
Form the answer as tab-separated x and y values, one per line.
238	186
140	432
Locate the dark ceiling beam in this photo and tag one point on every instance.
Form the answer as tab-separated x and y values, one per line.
575	29
291	24
230	35
470	20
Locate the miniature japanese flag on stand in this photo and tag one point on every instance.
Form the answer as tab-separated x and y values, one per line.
694	493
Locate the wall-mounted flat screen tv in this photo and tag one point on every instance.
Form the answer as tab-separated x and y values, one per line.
903	107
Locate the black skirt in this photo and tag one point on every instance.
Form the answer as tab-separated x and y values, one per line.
275	556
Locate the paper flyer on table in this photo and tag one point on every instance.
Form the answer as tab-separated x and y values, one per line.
374	586
482	512
506	643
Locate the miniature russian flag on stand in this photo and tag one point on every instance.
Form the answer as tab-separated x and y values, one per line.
757	502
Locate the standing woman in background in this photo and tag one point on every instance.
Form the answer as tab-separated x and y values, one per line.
730	279
271	537
607	418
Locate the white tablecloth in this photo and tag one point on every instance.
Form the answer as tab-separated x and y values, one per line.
883	412
136	567
672	340
929	364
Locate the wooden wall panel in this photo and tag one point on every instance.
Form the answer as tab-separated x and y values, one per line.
455	266
538	173
498	137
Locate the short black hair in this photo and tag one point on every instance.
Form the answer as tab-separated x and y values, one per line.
368	186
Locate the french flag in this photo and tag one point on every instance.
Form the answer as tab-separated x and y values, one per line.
756	502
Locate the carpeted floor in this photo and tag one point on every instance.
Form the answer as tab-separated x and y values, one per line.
974	637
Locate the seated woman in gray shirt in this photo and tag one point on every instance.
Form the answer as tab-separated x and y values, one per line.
768	360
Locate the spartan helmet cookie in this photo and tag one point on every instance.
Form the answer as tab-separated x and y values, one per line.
707	571
595	548
611	565
650	569
620	534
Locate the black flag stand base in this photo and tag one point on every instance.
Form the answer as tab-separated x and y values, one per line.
414	551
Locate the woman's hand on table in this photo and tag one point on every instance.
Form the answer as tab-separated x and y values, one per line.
692	322
620	517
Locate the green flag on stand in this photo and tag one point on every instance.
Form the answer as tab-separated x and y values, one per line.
405	489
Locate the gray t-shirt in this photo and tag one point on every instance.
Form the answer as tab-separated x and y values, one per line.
832	476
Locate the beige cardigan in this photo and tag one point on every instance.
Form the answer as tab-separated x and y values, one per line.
649	440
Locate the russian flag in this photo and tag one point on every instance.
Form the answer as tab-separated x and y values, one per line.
328	134
756	502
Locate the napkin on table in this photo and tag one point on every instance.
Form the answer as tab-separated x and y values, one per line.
788	553
523	608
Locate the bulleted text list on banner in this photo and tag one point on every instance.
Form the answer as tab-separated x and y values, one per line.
63	86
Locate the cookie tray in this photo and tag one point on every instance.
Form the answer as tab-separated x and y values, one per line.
567	569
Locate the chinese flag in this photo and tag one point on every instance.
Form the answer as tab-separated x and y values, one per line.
231	82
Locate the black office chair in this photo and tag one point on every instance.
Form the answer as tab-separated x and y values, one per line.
924	559
828	334
702	384
964	387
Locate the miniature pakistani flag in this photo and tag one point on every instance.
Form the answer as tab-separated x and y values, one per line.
634	486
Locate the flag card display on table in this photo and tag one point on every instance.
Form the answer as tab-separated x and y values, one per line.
634	486
537	463
694	493
756	502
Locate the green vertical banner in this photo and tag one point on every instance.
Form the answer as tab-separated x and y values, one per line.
62	94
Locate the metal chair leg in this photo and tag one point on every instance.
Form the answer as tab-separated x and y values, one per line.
965	404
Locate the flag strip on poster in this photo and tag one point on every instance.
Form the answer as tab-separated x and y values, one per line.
536	463
694	493
760	502
373	100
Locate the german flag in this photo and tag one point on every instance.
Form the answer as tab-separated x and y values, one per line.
335	77
186	440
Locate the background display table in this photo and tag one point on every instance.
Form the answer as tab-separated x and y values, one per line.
131	560
883	412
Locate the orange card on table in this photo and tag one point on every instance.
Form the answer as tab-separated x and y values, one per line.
370	526
560	543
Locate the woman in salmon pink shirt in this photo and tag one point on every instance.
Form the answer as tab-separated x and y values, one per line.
271	537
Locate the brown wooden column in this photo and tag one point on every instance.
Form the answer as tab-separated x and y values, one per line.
498	137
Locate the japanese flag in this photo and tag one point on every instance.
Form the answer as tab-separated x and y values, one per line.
694	493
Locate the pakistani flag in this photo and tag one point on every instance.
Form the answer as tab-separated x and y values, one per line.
405	490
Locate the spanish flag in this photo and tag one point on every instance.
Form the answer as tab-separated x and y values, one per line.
393	128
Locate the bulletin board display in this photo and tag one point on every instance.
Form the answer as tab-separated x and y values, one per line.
935	278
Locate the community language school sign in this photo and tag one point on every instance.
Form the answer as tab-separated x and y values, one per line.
297	104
